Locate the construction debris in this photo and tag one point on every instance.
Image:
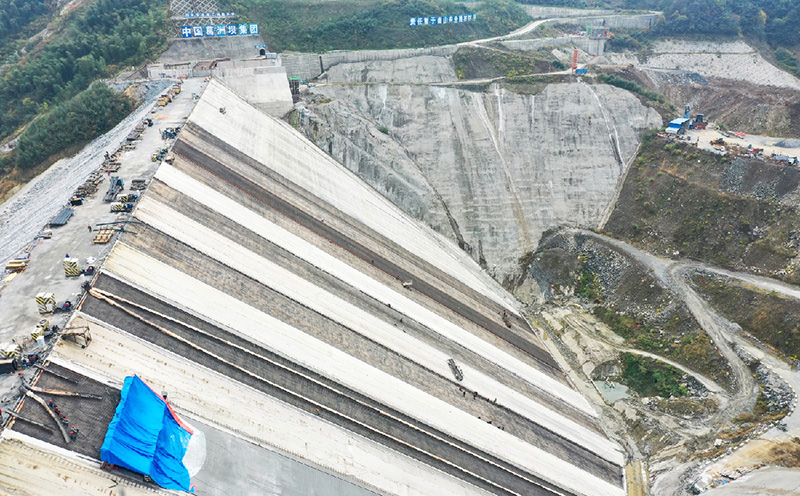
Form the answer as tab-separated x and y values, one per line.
117	184
78	335
30	421
50	412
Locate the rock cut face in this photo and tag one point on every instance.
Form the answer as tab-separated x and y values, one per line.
493	168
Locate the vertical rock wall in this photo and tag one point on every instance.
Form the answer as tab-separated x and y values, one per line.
492	169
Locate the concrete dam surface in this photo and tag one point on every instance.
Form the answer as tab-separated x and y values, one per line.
498	169
290	310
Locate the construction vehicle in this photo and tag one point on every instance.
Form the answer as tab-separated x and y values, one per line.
176	88
10	351
718	141
158	156
699	122
10	354
42	328
129	198
163	100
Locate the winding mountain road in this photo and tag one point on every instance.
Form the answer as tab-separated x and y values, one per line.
673	275
726	336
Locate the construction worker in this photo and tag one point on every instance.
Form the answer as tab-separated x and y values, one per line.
90	228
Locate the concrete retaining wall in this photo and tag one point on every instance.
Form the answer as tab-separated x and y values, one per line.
234	47
308	66
302	66
592	47
642	21
542	12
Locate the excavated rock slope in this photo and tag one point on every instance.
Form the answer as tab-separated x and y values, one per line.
488	167
731	83
733	60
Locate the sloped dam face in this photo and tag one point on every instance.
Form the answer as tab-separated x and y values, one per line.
487	166
284	302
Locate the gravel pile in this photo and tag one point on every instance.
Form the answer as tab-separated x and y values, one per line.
788	143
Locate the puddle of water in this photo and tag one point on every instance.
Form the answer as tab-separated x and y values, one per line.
612	391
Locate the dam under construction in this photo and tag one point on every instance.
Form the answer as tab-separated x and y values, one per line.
480	267
312	335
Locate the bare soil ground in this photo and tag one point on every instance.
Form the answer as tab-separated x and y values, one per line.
683	202
768	317
742	106
628	298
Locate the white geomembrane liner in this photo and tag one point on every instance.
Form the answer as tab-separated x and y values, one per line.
251	220
195	456
280	147
225	251
201	299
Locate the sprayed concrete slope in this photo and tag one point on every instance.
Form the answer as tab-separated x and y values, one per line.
275	143
262	289
734	60
492	169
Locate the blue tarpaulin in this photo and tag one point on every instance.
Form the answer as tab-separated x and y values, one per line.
147	437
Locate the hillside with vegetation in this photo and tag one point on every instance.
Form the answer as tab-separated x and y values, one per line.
769	317
47	76
20	19
735	213
317	26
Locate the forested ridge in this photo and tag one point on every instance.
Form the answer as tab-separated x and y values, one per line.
16	19
92	42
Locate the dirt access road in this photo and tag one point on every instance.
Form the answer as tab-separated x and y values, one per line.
672	275
704	137
675	275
